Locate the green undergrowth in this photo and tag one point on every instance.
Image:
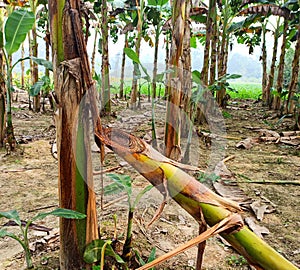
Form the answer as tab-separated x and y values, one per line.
242	90
245	90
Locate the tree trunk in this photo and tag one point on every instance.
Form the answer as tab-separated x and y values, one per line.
2	87
264	61
106	104
123	68
2	115
47	71
294	79
279	85
175	82
154	79
200	117
208	38
94	51
134	87
213	46
187	76
10	137
72	81
223	57
22	67
167	60
270	82
222	72
35	71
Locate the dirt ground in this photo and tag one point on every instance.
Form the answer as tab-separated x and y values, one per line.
28	184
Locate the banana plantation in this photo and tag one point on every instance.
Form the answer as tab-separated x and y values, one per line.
108	161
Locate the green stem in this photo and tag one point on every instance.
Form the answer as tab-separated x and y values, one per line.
153	130
9	128
128	242
103	255
26	245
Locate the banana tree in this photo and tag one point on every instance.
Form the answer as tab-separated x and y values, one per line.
18	24
74	88
2	84
199	201
34	52
139	16
106	104
265	10
208	39
293	83
122	21
294	5
156	12
175	81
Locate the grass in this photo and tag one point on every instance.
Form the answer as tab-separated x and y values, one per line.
143	89
245	90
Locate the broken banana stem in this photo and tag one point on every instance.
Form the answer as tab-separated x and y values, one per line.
192	196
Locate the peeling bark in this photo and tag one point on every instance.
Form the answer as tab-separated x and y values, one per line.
73	82
121	93
270	80
134	87
175	82
279	84
106	103
294	80
264	61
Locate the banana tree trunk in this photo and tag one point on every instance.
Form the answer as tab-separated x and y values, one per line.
72	81
10	136
264	61
93	58
22	67
121	94
187	82
207	47
167	60
223	57
214	46
35	71
270	81
2	90
175	81
294	80
2	113
134	87
279	85
106	104
191	195
154	76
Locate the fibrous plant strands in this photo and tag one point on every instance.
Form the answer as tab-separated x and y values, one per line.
191	195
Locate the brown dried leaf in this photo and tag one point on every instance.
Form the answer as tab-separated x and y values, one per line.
257	229
260	209
268	133
230	191
222	171
247	143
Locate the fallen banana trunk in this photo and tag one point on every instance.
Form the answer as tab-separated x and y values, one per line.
191	195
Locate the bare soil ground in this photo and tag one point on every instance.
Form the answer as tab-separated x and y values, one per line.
28	183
